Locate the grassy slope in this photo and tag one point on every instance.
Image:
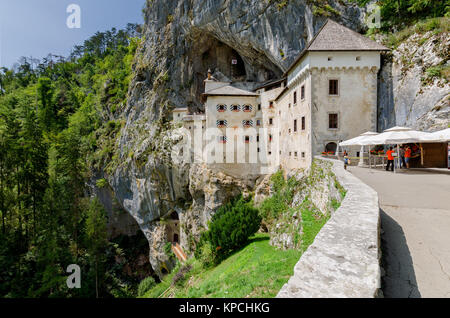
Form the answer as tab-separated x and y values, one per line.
257	270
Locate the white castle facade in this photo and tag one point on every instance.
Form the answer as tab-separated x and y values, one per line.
327	95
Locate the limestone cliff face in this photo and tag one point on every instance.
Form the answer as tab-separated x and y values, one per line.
408	94
182	39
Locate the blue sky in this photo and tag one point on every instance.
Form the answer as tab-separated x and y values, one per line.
38	27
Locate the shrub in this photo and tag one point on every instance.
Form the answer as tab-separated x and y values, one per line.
145	285
280	200
206	255
230	228
181	275
101	183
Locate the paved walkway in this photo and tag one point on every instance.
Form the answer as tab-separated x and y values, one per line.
415	241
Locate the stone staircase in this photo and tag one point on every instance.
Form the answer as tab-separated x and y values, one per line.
178	251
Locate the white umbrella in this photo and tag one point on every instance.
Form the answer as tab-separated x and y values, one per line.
397	135
359	141
438	136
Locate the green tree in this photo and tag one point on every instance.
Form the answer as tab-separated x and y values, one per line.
231	227
98	242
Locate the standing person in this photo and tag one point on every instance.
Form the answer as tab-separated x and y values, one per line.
390	159
407	156
402	156
346	159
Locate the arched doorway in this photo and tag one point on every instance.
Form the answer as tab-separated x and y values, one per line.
176	238
331	147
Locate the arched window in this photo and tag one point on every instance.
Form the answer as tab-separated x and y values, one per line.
221	123
221	108
235	108
247	123
331	148
247	108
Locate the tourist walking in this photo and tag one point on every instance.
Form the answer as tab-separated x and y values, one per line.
390	158
346	159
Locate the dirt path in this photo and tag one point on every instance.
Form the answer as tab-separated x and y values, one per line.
415	241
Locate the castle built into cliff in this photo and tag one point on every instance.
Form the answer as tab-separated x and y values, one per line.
328	94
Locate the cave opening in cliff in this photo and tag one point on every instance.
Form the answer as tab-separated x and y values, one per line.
224	60
244	65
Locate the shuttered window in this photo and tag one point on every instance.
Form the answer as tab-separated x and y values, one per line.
333	87
333	121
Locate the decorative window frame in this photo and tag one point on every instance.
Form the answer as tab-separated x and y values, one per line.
219	106
247	108
247	123
219	125
235	108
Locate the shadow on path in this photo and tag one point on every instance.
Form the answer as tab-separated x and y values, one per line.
399	280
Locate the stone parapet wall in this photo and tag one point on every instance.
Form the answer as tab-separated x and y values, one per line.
344	259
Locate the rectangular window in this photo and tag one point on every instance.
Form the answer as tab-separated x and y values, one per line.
295	154
333	121
333	88
270	121
257	138
295	125
295	98
259	106
271	105
258	122
270	138
303	123
302	92
303	155
247	139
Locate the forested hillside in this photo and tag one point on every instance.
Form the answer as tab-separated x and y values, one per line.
58	124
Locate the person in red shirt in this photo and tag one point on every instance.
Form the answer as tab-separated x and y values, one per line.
390	157
407	156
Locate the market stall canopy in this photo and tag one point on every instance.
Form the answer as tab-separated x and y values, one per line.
397	135
438	136
358	141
